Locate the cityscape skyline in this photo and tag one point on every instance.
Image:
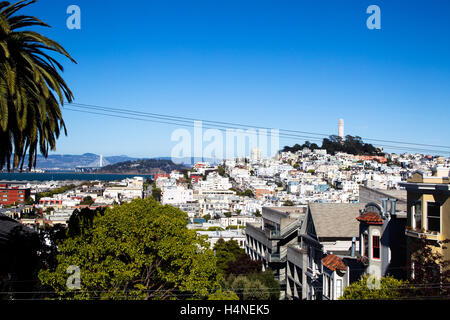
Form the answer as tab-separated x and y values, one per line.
288	65
207	158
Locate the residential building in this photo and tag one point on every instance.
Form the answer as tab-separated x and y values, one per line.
10	195
428	210
269	240
214	236
328	228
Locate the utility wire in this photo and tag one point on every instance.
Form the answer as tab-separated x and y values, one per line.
188	122
227	124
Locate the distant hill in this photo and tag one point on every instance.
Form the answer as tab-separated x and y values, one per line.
333	144
71	162
143	166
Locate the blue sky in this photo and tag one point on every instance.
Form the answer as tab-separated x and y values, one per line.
297	65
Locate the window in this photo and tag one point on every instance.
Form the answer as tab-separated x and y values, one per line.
365	245
338	288
434	216
327	288
376	247
417	224
310	258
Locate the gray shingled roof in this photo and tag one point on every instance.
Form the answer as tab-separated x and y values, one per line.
336	220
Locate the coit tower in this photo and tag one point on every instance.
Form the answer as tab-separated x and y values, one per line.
341	128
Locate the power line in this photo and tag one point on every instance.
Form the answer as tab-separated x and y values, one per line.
81	105
223	126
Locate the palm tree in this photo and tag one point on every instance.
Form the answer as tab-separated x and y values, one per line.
31	88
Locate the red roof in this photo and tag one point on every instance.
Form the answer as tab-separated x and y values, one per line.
370	218
334	263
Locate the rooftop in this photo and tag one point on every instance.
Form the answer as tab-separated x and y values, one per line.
334	263
336	220
370	218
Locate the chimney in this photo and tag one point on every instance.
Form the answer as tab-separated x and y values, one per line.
393	206
353	250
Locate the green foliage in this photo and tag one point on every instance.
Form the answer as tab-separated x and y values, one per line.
268	280
288	203
232	227
431	269
243	265
223	295
248	289
139	250
363	289
156	194
215	229
87	201
225	252
51	193
333	144
258	213
49	210
142	166
248	193
221	171
82	221
31	88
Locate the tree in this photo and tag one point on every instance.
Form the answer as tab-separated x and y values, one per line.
248	193
226	251
29	201
248	289
87	201
243	265
334	143
221	171
223	295
31	88
82	221
288	203
431	272
49	210
156	194
139	250
267	278
366	288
